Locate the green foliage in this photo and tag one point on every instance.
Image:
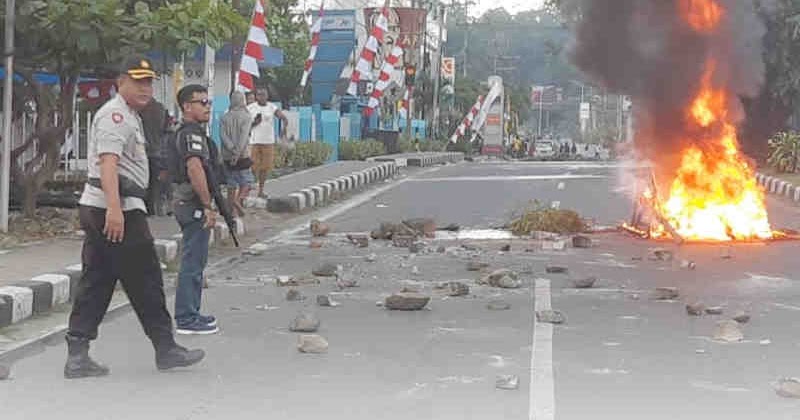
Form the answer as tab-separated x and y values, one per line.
546	219
289	31
360	149
308	154
784	151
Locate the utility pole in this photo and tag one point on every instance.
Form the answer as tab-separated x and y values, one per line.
236	53
438	66
8	95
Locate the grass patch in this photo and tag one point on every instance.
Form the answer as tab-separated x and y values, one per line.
545	219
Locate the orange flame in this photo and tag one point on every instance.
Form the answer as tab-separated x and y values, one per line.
702	15
715	195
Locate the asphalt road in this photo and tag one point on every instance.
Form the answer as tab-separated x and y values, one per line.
620	355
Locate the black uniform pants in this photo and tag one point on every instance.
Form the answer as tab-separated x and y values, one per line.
135	263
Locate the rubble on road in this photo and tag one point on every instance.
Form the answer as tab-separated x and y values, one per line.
476	265
665	293
728	331
507	382
441	249
326	302
403	241
695	309
417	247
498	305
293	281
580	241
544	218
5	372
714	310
305	322
319	229
660	254
454	288
256	249
452	227
550	317
422	227
788	388
554	269
501	278
294	295
327	269
346	283
415	270
312	343
585	283
371	258
505	248
688	265
741	317
359	240
314	244
407	301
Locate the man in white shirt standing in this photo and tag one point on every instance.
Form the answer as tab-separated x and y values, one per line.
262	136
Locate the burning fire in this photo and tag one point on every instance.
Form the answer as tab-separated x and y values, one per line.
714	195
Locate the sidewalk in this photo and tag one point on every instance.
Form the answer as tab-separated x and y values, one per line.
423	159
42	276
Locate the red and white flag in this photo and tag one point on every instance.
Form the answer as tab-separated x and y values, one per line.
404	103
316	29
384	80
253	50
467	121
363	70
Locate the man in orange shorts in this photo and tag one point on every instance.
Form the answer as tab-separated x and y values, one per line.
262	136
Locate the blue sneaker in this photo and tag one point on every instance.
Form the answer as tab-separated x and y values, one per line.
208	320
196	327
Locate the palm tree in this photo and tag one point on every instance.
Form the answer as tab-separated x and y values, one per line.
784	151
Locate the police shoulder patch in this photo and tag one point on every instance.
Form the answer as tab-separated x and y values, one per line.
117	117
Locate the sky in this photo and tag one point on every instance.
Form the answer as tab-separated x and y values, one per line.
513	6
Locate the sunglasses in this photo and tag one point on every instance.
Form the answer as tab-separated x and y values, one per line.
204	102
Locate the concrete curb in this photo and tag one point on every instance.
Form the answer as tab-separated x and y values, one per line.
318	195
421	160
776	186
40	294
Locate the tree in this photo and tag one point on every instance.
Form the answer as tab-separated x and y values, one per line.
784	151
288	31
70	38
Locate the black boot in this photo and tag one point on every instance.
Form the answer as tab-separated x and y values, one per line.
79	364
177	356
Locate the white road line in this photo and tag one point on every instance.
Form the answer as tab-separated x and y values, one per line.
542	389
508	178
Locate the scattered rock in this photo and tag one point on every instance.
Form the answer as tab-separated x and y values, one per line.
407	301
477	266
371	258
294	295
660	254
688	265
580	241
498	305
361	241
452	227
346	283
508	282
294	281
417	247
728	331
765	342
455	288
665	293
422	227
493	279
305	322
507	382
714	310
319	229
551	317
741	318
586	283
695	309
325	270
415	270
470	247
788	388
441	249
403	241
385	231
505	248
256	249
315	244
5	372
553	269
312	343
324	301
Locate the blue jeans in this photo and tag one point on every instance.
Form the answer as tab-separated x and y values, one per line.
194	257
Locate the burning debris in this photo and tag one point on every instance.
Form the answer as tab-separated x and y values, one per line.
543	218
685	64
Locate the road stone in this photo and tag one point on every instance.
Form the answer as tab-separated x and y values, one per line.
294	295
319	229
695	309
665	293
586	283
498	305
5	372
551	317
714	310
455	288
554	269
407	301
788	388
728	331
312	343
325	270
742	318
477	265
507	382
305	322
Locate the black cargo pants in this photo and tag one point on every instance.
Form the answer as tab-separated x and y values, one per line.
135	263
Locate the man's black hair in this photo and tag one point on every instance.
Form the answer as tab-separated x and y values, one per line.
187	92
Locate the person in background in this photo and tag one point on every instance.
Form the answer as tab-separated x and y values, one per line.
262	136
249	98
235	134
155	121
